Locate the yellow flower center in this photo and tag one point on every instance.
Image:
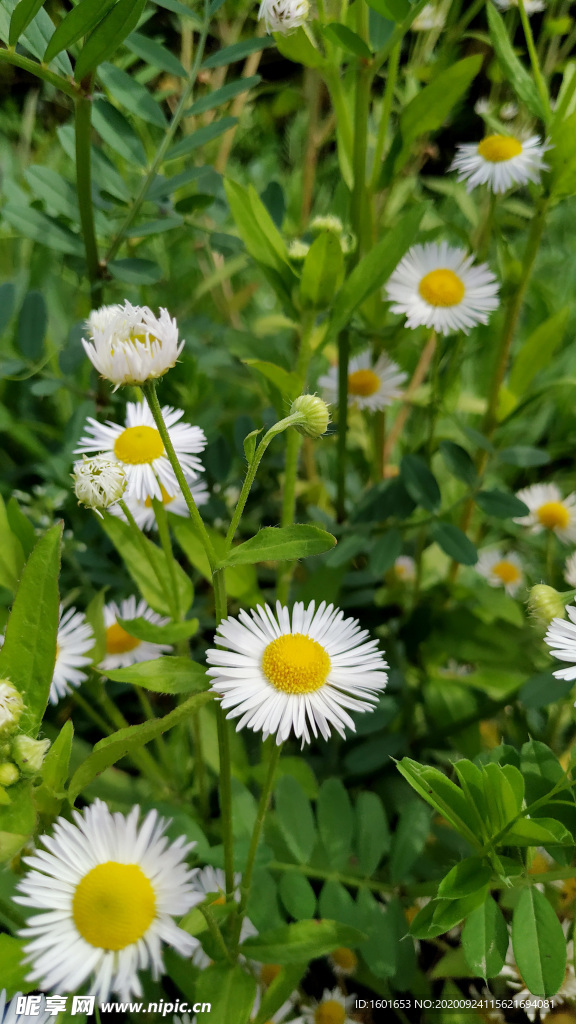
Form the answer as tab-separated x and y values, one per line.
114	905
330	1012
137	445
118	641
498	148
294	663
553	515
345	958
410	912
268	972
441	287
567	893
363	383
539	865
166	498
506	571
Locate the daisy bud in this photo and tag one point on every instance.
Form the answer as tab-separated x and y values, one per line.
98	482
129	345
545	604
9	774
29	754
315	415
283	15
11	706
326	223
298	250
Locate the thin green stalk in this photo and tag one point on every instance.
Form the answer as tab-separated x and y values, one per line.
166	543
141	758
564	104
65	85
258	826
159	743
536	70
387	101
322	874
215	931
343	360
88	710
83	139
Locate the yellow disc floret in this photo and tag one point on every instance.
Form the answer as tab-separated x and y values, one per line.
118	641
268	972
506	571
441	287
363	383
294	663
330	1012
496	149
345	959
553	515
166	498
114	905
137	445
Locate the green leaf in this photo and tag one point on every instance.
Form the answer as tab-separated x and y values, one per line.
117	132
297	895
279	992
385	552
135	271
300	942
155	227
420	483
466	877
171	633
7	304
537	832
455	543
153	53
257	229
500	504
133	96
394	10
298	48
323	271
335	823
409	839
154	584
95	617
108	35
523	455
241	580
288	384
504	790
112	748
42	229
249	444
295	820
372	832
280	544
29	651
343	36
55	767
442	794
458	462
562	157
485	940
14	967
228	991
429	109
538	349
236	52
24	12
22	530
163	675
374	269
17	820
221	96
539	943
380	949
11	555
514	72
540	767
77	23
450	912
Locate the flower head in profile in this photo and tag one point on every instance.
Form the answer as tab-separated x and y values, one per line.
343	961
370	386
561	639
500	162
440	287
9	1011
108	889
123	649
283	16
138	447
11	705
143	511
548	510
431	17
530	6
314	413
501	570
129	345
332	1008
404	569
99	482
285	674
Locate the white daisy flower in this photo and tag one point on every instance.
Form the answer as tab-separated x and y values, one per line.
430	17
343	961
549	511
565	994
138	447
501	570
122	649
283	15
130	345
211	879
508	111
570	569
295	673
404	568
561	639
9	1011
333	1008
74	640
500	161
108	889
98	482
483	106
530	6
143	511
369	387
438	286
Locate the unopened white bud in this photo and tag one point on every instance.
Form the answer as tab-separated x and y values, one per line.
9	774
29	754
298	250
99	481
315	415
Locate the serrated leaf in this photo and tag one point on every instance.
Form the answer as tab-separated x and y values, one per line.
163	675
537	832
280	544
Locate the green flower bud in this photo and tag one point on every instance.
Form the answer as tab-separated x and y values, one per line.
29	754
9	774
11	707
315	415
545	604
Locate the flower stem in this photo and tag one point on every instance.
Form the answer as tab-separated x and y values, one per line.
215	931
141	758
536	70
164	535
65	85
148	551
83	138
258	826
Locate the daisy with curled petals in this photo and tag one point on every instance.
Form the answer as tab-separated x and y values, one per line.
108	889
369	387
501	570
295	673
9	1011
561	639
549	511
439	287
122	649
143	511
139	448
500	162
74	640
129	345
332	1008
